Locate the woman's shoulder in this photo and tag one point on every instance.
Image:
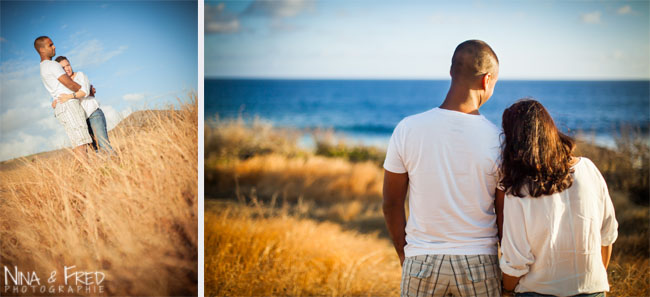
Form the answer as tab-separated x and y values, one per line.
587	170
80	77
585	163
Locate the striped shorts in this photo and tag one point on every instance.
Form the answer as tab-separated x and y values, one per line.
451	275
73	118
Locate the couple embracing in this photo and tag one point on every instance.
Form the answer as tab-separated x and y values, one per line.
73	101
471	185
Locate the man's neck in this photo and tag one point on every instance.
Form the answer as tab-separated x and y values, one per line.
44	58
462	99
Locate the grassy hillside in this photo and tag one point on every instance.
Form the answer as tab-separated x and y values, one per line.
132	217
268	190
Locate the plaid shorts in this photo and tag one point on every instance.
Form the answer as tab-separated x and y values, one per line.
73	118
451	275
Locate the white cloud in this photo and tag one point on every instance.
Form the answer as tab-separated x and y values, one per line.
64	26
128	71
22	145
114	117
280	8
133	97
92	53
625	9
51	123
222	27
78	34
438	18
591	18
618	54
218	20
15	119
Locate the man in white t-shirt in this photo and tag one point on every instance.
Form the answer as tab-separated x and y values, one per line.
446	159
70	114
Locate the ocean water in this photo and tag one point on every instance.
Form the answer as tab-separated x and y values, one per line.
367	111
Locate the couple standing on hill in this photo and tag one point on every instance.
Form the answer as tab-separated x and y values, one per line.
469	189
73	100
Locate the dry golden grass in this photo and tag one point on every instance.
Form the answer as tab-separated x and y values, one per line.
132	217
301	184
226	139
256	251
629	276
318	178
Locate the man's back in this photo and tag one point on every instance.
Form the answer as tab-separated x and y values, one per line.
446	159
451	160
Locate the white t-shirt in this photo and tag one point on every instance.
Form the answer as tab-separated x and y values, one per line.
88	103
50	73
451	160
553	242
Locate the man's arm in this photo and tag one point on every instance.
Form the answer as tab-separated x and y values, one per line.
69	83
498	208
395	188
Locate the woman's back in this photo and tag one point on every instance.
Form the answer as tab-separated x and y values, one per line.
554	242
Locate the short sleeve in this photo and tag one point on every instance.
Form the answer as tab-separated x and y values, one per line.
394	161
517	254
609	229
82	80
55	69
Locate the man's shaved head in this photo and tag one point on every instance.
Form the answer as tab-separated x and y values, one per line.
40	42
473	58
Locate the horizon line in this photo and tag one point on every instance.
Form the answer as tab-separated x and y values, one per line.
409	78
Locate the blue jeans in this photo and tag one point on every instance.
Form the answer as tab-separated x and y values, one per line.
533	294
97	128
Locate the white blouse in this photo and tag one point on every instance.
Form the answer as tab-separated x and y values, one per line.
88	103
554	242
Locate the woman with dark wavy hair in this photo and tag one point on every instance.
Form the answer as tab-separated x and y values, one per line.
557	218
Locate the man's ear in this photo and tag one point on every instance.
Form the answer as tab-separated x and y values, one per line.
485	80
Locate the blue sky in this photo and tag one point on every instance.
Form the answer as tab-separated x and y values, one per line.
557	40
137	55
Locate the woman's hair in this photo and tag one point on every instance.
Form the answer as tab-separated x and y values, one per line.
535	155
61	58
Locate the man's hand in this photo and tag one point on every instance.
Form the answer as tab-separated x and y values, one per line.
92	91
395	188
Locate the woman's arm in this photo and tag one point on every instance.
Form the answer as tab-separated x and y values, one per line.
65	97
606	253
517	255
510	282
82	80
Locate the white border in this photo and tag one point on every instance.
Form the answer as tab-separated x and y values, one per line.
201	198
